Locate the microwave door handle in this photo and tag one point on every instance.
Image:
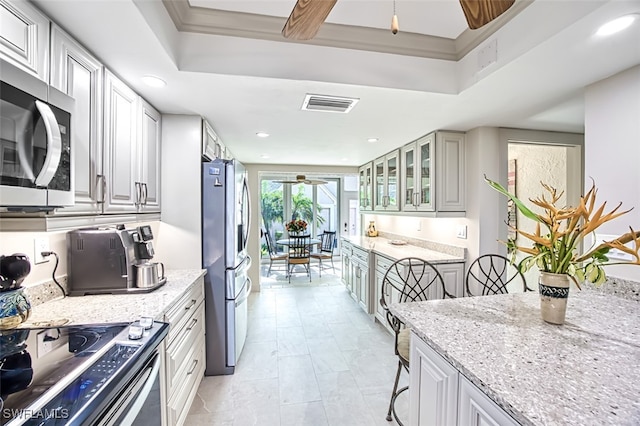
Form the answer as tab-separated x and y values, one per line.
54	145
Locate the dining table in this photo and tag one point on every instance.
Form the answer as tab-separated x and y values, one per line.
287	241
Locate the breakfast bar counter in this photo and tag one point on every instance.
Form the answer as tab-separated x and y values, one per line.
585	372
112	308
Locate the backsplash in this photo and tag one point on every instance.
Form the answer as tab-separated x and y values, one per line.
46	291
431	245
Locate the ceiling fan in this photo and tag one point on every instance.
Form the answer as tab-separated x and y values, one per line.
303	179
308	15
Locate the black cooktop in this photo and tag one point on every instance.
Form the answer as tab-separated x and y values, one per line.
35	360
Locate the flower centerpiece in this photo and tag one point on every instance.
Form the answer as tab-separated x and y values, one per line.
296	226
557	249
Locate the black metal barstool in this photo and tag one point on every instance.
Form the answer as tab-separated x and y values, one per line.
407	280
490	274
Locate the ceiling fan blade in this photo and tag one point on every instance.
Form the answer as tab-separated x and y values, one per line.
306	18
315	182
481	12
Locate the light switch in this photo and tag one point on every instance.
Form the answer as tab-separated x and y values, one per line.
462	232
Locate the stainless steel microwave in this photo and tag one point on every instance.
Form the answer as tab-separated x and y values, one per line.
36	157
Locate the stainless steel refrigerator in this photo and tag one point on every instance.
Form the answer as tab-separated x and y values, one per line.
225	230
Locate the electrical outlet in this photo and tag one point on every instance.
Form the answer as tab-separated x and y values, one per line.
49	340
462	232
419	227
40	244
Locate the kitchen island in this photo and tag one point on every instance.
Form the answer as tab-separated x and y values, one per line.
584	372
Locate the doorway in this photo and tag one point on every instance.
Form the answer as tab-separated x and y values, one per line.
557	165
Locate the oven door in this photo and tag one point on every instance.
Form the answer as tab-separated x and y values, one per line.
139	403
35	142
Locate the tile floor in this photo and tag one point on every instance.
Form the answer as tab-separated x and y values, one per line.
312	357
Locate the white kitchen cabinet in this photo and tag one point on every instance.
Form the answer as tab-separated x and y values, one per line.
24	37
433	387
453	276
365	177
433	173
440	395
132	131
386	179
212	146
475	408
184	353
361	282
346	251
77	73
123	190
149	140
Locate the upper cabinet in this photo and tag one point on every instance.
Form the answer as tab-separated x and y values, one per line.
424	176
386	179
365	174
149	139
433	173
24	37
77	73
212	146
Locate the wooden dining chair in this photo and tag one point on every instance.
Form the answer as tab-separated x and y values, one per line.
299	254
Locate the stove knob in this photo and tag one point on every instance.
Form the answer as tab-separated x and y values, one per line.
135	332
146	322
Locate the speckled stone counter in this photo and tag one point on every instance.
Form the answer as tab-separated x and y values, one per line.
111	308
384	247
585	372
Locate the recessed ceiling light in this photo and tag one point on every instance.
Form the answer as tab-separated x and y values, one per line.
153	81
343	159
372	140
264	156
262	135
616	25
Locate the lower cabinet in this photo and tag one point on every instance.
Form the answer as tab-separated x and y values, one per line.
184	353
361	284
440	395
347	275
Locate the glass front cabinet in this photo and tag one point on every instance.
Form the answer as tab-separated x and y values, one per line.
365	178
386	178
433	173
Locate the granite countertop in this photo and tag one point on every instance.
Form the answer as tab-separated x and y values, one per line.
384	247
584	372
110	308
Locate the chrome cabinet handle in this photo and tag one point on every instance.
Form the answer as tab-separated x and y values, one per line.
144	198
193	302
138	193
195	363
103	188
193	324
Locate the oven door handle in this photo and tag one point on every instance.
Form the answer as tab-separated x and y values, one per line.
54	145
135	407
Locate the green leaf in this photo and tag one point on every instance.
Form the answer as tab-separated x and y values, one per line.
519	204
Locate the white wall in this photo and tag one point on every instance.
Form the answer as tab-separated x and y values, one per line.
179	238
612	151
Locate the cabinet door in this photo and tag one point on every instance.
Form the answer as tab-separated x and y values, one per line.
424	172
24	37
476	409
379	184
433	387
392	180
450	172
75	72
149	158
123	190
453	277
362	280
408	201
366	187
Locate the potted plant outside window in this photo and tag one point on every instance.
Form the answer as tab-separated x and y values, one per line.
557	249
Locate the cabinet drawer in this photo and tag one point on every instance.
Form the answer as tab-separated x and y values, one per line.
383	264
179	315
178	352
189	378
360	256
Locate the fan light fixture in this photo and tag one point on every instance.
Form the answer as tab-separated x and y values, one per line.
394	20
303	179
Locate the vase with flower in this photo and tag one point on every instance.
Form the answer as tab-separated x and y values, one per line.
296	227
557	248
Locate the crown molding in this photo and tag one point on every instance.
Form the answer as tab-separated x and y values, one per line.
201	20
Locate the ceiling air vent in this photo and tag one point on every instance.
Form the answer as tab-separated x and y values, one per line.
328	103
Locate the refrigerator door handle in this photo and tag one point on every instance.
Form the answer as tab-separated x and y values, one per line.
245	294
